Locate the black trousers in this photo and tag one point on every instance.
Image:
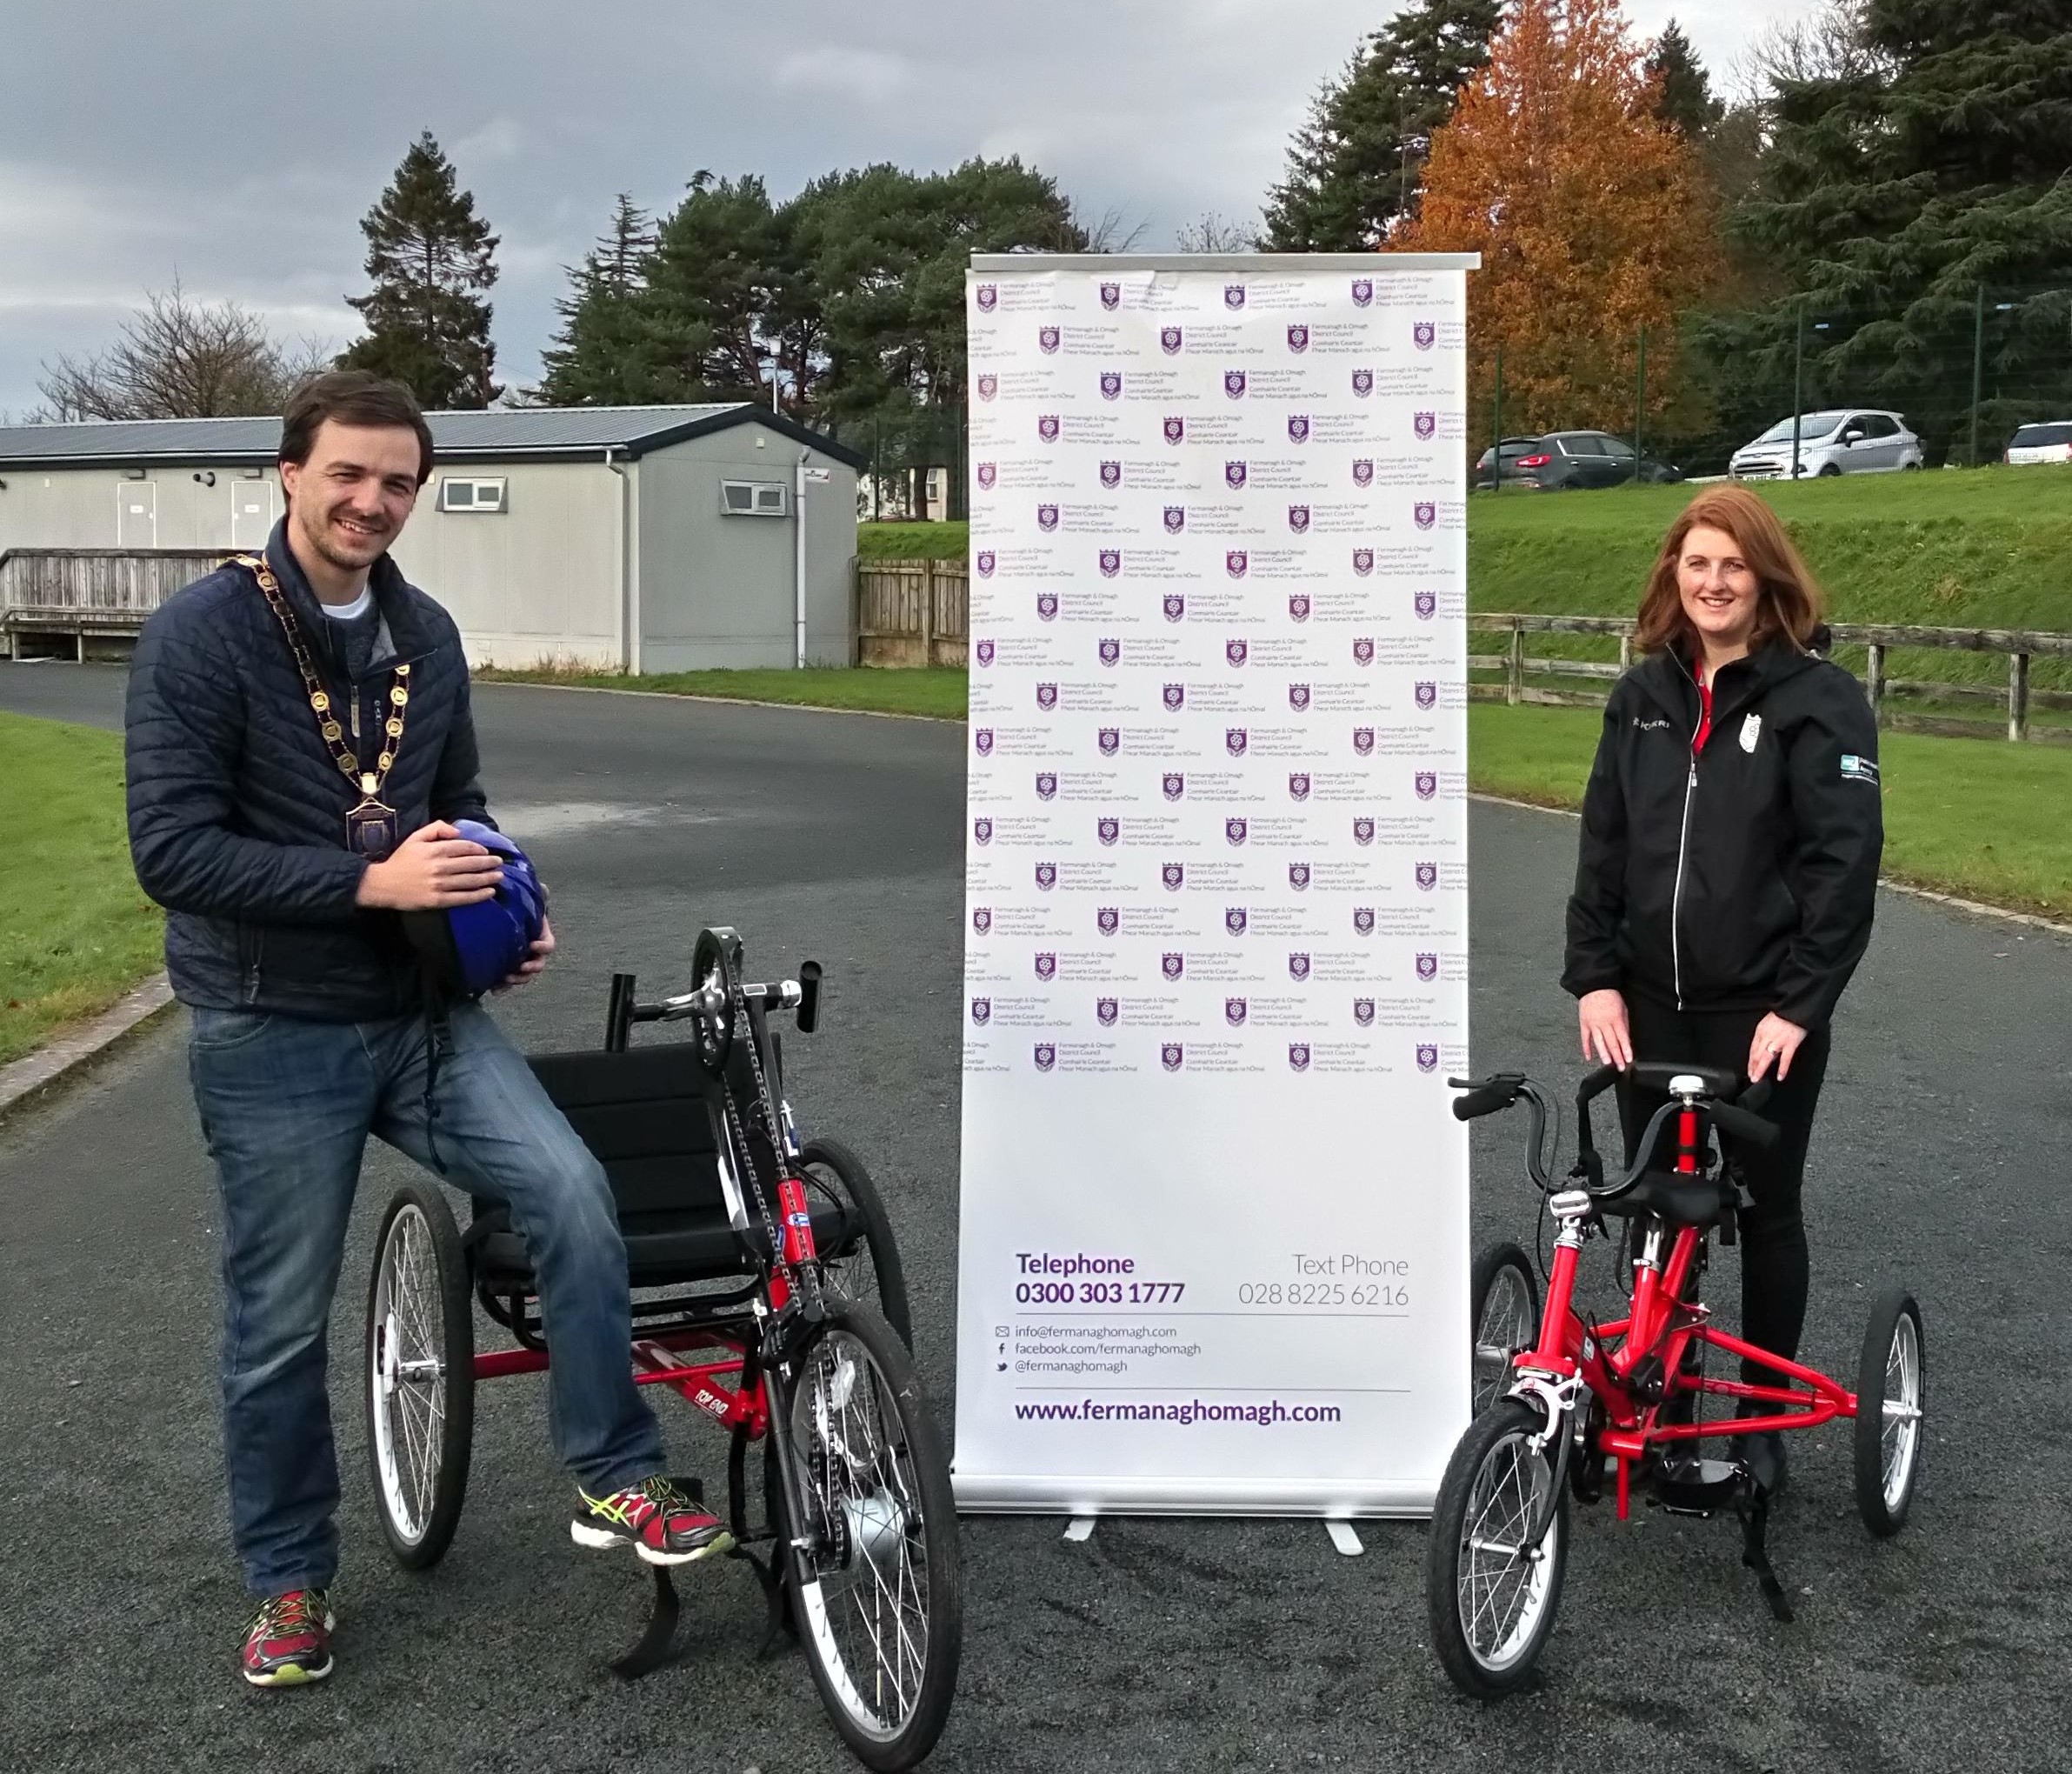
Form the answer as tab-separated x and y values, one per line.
1773	1264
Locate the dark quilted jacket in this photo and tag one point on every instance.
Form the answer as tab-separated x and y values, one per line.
238	811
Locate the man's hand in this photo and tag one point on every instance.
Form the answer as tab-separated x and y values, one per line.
432	869
1605	1035
535	960
1775	1039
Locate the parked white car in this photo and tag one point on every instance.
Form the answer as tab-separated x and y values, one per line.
2045	442
1843	440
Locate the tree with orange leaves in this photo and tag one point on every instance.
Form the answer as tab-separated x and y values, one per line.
1593	217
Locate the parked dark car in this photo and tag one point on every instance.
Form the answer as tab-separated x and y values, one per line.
1558	460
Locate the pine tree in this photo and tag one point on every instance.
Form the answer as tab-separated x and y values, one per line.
1354	167
603	351
1683	95
429	255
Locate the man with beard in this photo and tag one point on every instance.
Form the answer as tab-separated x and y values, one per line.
299	749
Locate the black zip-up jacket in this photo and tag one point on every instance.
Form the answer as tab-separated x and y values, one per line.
238	811
1745	878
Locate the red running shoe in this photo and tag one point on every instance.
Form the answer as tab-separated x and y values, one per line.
664	1523
290	1640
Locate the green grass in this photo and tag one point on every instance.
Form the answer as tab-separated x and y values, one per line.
76	929
938	693
913	541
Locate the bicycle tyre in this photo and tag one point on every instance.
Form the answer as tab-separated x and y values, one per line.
880	1493
420	1312
1503	1280
874	1230
1507	1665
1893	1371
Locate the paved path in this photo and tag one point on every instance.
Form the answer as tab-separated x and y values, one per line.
1158	1645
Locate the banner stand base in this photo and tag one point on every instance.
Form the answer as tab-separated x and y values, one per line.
1080	1528
1342	1536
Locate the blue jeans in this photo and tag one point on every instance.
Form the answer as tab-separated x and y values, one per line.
286	1106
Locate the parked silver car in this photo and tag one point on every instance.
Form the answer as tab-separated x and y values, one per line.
1843	440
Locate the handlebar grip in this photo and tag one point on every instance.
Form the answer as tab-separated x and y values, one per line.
1486	1100
809	997
1743	1125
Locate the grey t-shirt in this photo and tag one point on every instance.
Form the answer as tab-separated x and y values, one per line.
354	628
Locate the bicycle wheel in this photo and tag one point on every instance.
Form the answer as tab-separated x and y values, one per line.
420	1375
876	1589
1891	1384
866	1270
1489	1597
1504	1295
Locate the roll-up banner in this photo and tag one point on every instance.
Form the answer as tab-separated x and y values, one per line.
1214	1248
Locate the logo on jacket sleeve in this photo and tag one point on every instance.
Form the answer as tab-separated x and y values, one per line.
1855	769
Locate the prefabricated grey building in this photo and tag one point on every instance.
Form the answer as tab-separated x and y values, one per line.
659	538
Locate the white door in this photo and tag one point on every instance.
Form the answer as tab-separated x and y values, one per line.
137	514
251	513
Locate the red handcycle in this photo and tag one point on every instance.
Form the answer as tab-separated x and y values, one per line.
1558	1393
768	1292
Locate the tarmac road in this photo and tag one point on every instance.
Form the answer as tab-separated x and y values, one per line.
1156	1645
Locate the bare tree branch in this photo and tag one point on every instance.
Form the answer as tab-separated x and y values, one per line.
1215	233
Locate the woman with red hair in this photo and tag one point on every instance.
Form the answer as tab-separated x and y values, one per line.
1731	833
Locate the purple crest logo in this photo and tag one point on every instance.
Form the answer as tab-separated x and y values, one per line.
1363	651
1047	427
1428	1056
1176	696
1172	877
1362	740
1363	920
1172	965
1176	606
1362	383
1176	431
1363	1012
1170	1055
1046	517
987	473
1109	918
1428	967
1111	384
988	387
1046	966
1111	561
1298	338
1235	741
1235	919
1363	829
983	740
1048	338
1298	518
1298	786
1363	561
985	563
1425	603
1112	294
1106	1010
1234	475
1234	561
1169	340
1298	696
1176	519
1046	1056
1233	294
1111	740
1046	875
988	294
1298	606
981	918
1425	335
1424	514
1234	652
1046	606
1108	830
1234	830
1298	967
985	652
1428	876
1362	291
1112	474
1234	384
1363	471
1046	785
1046	696
1298	876
981	1011
1298	1055
1111	652
1426	784
1298	427
1175	785
982	830
1424	423
1234	1012
1426	693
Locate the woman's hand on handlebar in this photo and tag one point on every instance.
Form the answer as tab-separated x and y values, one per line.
1775	1039
1605	1034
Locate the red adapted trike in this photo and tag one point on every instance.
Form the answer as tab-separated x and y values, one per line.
1558	1393
767	1291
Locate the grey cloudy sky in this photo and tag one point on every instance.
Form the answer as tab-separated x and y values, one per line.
237	144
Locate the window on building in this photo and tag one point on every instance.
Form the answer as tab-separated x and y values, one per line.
753	498
457	495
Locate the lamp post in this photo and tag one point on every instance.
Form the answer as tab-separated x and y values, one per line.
1798	365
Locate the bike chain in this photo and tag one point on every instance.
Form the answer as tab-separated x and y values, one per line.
742	1023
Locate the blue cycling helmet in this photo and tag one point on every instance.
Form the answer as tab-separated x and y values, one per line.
469	948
